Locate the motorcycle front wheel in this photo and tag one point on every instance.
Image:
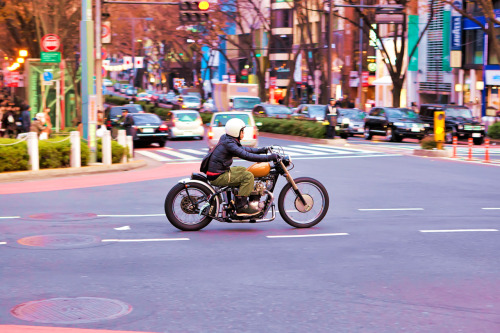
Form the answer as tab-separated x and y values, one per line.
183	211
294	212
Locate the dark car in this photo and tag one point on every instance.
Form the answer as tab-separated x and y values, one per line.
116	112
350	122
272	110
147	128
459	122
310	111
395	123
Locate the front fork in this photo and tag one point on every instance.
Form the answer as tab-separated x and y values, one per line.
292	182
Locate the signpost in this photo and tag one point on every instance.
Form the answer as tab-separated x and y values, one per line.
50	57
51	43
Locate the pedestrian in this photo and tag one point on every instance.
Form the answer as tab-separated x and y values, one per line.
26	118
350	105
47	122
126	122
9	123
331	119
414	107
37	124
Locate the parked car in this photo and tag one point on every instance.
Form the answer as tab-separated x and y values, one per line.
311	111
185	124
188	102
459	122
123	88
107	82
170	97
131	91
116	112
142	96
218	123
148	128
272	110
350	122
117	86
395	123
243	103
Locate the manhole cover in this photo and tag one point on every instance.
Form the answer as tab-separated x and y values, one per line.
71	310
61	217
60	241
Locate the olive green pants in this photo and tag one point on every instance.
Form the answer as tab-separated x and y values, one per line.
236	176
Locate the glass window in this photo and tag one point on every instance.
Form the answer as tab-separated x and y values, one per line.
458	113
186	116
282	18
375	112
221	119
144	118
474	47
245	103
278	109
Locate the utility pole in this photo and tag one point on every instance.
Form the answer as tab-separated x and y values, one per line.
329	54
98	55
133	52
360	60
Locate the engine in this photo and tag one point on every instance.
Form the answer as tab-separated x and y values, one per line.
260	189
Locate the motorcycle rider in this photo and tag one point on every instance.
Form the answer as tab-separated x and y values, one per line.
221	173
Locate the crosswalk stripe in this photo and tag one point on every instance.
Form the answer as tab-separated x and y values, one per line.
154	156
303	151
177	154
193	151
352	150
317	149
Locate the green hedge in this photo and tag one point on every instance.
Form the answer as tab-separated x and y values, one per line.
15	157
306	128
206	117
494	131
117	151
428	143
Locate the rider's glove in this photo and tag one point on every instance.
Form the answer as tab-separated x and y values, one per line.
273	157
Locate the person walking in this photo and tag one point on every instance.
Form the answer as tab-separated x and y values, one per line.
37	124
331	118
26	118
9	124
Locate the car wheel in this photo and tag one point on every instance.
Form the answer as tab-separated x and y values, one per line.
367	135
397	138
344	135
162	143
478	141
448	137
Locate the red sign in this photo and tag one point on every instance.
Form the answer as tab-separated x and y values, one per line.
364	78
304	78
12	79
244	72
232	78
51	43
272	82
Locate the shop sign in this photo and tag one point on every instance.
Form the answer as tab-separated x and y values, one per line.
492	77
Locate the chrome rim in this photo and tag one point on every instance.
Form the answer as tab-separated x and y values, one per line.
181	209
316	197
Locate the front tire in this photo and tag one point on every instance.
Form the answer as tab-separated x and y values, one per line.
478	141
291	208
179	210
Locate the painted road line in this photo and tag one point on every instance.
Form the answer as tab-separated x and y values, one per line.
320	151
305	151
177	154
145	240
311	235
460	230
491	208
153	156
347	150
387	209
3	243
193	151
331	150
350	156
142	215
10	217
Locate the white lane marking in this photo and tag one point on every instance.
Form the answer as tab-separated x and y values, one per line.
154	156
146	240
193	151
322	149
143	215
387	209
352	150
3	243
312	235
492	208
459	230
304	150
177	154
123	228
10	217
350	156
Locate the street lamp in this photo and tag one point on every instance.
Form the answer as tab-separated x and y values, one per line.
23	53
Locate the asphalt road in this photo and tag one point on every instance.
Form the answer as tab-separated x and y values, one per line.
409	244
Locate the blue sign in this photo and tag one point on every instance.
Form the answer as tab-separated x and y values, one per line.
48	76
456	33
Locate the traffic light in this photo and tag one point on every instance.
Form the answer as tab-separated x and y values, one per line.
193	11
439	128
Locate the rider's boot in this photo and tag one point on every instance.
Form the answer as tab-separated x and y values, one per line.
243	208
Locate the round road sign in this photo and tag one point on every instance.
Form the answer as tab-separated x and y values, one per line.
51	43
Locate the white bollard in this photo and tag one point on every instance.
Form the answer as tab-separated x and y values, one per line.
107	158
130	145
122	141
34	160
75	160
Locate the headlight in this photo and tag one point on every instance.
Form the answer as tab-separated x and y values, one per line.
345	121
399	124
427	125
460	127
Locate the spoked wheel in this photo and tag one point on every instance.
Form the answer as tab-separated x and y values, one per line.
294	212
183	210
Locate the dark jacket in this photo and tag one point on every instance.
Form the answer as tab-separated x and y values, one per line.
25	119
229	147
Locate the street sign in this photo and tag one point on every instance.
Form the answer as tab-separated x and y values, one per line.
272	82
50	57
51	43
48	76
106	32
12	79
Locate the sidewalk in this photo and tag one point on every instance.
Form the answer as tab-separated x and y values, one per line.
46	329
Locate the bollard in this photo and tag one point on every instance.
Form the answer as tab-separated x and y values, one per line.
107	156
34	160
486	151
470	149
130	145
75	160
455	143
122	140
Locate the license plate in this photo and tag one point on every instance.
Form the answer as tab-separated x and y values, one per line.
188	133
337	127
476	135
148	130
415	129
360	129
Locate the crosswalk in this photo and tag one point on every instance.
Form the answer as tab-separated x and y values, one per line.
296	151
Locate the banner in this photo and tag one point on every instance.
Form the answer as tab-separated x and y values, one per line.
446	40
139	62
106	32
413	34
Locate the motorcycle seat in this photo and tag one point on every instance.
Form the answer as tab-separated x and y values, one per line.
199	176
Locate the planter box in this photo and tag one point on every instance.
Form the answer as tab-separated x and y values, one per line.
432	153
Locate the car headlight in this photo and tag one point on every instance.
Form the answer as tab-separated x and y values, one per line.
399	124
345	121
427	125
460	127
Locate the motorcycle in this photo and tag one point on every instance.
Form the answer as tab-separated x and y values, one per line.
303	202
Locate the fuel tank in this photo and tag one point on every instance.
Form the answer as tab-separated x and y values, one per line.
260	169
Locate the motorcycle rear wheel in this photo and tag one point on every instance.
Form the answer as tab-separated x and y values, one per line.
291	208
178	210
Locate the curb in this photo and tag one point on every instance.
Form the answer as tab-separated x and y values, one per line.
432	153
62	172
333	142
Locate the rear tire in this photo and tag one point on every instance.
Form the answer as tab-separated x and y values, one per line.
162	143
344	135
478	141
174	218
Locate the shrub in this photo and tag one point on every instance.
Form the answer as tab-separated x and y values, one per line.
115	100
206	117
494	131
306	128
117	151
428	143
15	157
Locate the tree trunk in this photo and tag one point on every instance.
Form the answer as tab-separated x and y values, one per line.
397	86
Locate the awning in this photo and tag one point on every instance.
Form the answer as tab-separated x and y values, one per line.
383	81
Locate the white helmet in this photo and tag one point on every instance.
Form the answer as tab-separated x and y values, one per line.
234	127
